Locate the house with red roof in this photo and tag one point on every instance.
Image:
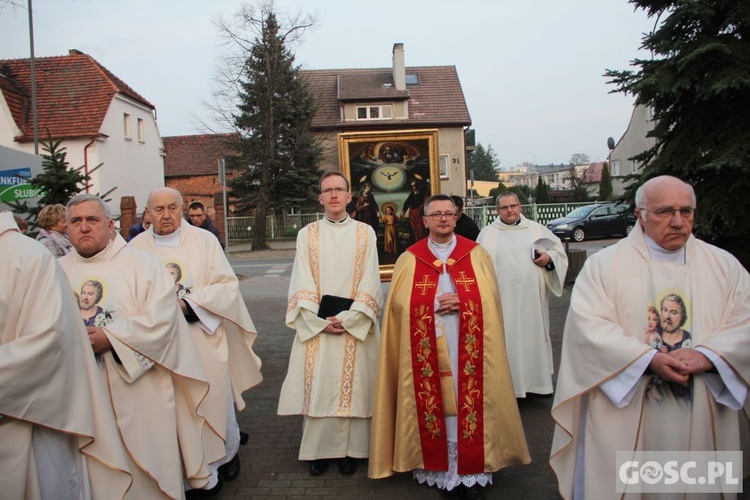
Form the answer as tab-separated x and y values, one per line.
191	166
101	119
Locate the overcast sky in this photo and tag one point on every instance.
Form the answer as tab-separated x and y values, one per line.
531	70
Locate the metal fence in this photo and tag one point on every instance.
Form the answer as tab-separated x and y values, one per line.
280	227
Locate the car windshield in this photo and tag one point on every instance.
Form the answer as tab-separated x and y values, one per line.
581	211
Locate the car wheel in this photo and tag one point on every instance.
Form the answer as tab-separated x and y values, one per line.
579	234
629	228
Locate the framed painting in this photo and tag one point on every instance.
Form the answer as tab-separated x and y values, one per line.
391	174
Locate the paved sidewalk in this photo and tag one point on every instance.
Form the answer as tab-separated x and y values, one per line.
269	461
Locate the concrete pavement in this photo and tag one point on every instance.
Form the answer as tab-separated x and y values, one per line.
269	461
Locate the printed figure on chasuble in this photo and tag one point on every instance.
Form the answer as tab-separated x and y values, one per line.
656	348
152	370
58	438
443	368
206	292
335	298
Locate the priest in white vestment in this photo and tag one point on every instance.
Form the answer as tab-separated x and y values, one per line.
207	292
619	390
332	365
153	372
529	262
58	438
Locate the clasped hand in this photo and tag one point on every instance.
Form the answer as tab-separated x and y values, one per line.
448	303
335	326
678	365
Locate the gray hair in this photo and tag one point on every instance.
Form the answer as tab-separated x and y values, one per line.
77	200
640	193
179	195
506	194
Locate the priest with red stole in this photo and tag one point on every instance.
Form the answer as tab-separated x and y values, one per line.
444	404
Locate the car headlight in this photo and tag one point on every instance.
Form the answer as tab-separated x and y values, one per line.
562	226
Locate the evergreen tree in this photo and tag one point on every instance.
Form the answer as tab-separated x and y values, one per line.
698	87
484	163
541	194
278	163
58	183
605	184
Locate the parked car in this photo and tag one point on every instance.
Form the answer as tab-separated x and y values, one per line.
597	220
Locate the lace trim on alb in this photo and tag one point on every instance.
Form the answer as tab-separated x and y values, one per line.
447	480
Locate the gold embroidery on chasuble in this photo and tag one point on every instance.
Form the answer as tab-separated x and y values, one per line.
471	390
427	390
465	281
425	285
350	345
312	346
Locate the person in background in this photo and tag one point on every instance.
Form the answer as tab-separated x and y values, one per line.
52	235
137	229
529	263
465	225
198	217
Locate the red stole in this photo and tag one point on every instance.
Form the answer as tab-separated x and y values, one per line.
427	391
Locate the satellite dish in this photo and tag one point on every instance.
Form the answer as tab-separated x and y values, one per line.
611	143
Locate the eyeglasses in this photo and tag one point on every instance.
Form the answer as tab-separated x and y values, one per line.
337	190
439	216
669	212
509	207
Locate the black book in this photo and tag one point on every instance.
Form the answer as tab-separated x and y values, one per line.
331	305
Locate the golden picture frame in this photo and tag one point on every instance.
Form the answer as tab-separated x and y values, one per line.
391	173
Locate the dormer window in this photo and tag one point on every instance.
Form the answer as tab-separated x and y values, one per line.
382	112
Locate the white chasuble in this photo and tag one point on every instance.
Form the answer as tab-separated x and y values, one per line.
524	289
625	305
153	373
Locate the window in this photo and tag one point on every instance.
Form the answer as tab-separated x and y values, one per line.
633	166
126	126
412	79
384	112
615	167
141	132
443	166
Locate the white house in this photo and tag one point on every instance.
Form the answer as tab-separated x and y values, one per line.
632	143
101	119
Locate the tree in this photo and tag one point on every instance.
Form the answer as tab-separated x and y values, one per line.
483	163
58	183
605	184
580	159
580	191
277	166
698	88
542	191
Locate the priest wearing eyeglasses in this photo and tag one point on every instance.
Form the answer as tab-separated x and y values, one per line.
609	395
444	402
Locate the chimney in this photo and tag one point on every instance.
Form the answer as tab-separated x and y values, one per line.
399	68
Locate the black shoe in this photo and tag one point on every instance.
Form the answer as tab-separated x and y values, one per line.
318	467
198	493
244	436
473	493
230	470
347	466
